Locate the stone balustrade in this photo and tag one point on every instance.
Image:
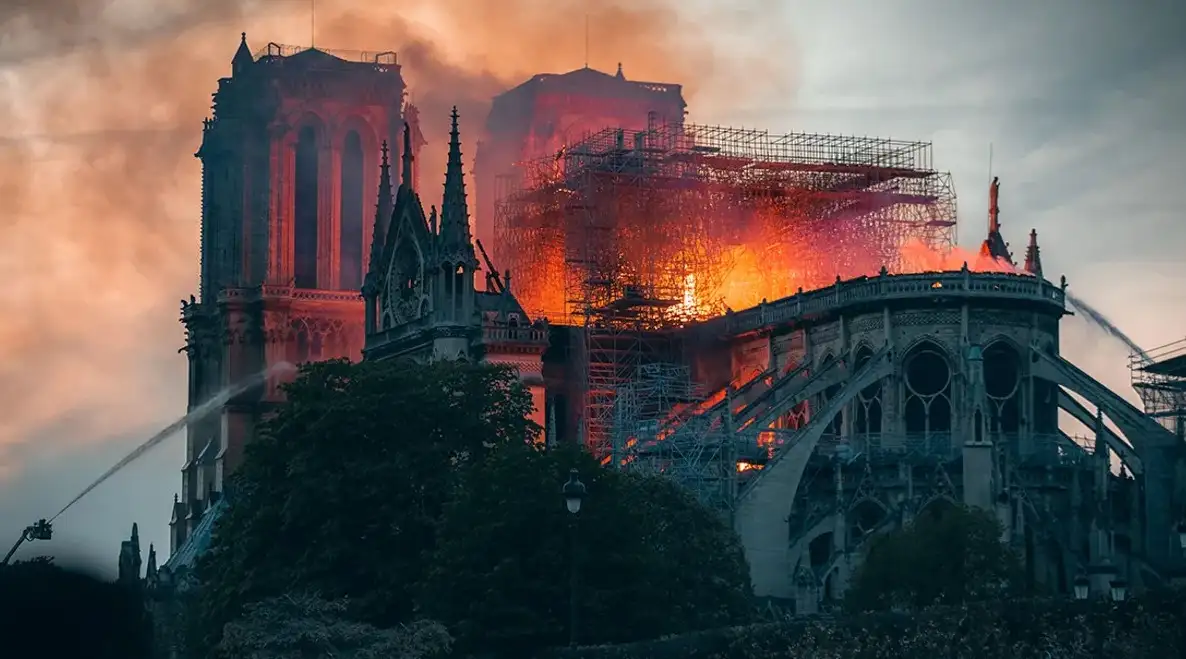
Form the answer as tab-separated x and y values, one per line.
865	291
273	291
501	334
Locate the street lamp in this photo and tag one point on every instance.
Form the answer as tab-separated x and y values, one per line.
1081	587
1119	590
574	493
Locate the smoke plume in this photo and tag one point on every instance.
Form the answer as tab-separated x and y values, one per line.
101	103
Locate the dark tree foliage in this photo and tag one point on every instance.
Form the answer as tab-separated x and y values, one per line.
949	554
49	611
341	492
1150	625
651	559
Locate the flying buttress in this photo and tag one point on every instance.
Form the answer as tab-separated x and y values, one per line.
1127	454
764	507
1159	450
789	391
1135	424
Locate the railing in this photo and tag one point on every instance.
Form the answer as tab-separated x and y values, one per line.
514	335
271	291
958	285
1051	450
362	56
881	447
1031	450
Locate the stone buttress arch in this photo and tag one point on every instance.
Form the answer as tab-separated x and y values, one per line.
1159	449
763	512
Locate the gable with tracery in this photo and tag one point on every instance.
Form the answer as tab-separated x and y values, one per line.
405	291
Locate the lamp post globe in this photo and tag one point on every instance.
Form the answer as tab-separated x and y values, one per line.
1081	587
574	492
1119	590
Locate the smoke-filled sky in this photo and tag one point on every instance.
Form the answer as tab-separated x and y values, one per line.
101	104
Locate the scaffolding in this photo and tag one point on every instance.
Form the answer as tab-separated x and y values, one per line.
1159	377
703	217
632	233
658	429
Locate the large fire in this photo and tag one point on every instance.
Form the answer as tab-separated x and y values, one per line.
744	275
680	223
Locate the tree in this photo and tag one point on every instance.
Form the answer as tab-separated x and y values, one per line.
341	492
294	626
651	559
949	554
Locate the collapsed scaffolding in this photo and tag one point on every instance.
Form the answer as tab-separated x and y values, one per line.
630	234
1159	377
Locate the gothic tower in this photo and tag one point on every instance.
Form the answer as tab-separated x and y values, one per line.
290	168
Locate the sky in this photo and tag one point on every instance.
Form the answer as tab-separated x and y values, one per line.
101	101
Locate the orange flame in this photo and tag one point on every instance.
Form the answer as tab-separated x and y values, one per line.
918	257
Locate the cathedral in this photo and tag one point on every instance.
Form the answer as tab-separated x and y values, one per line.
813	422
296	148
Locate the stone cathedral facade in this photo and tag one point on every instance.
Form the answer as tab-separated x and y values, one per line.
290	171
296	267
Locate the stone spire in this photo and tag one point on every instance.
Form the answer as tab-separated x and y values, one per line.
994	246
455	241
1033	256
243	58
994	210
150	570
383	211
406	163
129	558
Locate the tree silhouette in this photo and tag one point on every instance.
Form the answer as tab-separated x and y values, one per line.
651	559
949	554
341	493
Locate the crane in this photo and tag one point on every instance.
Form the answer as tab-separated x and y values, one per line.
42	530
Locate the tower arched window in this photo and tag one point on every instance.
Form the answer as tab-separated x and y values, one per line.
867	405
1002	385
301	333
308	343
305	203
927	410
350	229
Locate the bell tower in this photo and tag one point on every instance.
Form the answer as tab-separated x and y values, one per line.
290	172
